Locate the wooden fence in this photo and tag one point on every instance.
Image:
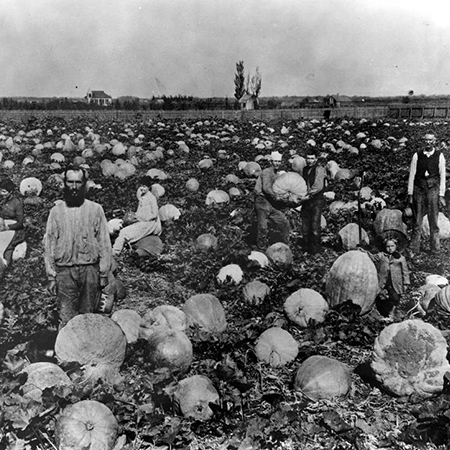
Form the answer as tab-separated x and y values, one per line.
355	112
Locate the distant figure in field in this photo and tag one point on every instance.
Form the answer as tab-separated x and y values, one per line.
426	191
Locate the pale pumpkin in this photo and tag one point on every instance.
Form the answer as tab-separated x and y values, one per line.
130	321
388	220
304	306
252	169
353	276
279	254
169	212
349	236
163	317
206	241
86	425
442	300
94	341
259	257
255	292
193	397
43	375
410	357
230	273
217	196
206	312
321	377
290	186
192	185
276	347
169	348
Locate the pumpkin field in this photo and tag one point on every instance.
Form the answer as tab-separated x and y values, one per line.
212	343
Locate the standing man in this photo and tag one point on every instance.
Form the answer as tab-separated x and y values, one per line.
426	191
267	204
78	251
312	204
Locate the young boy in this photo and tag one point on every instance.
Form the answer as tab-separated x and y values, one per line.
393	276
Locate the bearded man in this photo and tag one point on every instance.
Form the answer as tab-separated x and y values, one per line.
78	252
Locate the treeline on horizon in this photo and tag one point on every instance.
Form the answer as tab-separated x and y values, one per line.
180	102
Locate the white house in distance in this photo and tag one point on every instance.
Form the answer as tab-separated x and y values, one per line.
99	98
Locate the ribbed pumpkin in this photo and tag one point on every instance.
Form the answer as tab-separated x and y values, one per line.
87	424
305	305
442	300
298	163
43	375
192	185
389	223
163	317
206	241
410	357
217	196
169	348
194	395
280	255
349	236
252	169
320	377
130	321
169	212
276	347
206	312
353	276
94	341
255	292
443	223
290	186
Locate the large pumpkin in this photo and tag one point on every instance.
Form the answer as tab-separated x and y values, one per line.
305	305
276	347
252	169
194	395
206	312
217	196
290	186
442	300
231	272
206	241
94	341
130	322
163	317
87	424
43	375
410	357
353	276
320	377
349	236
443	223
389	223
171	349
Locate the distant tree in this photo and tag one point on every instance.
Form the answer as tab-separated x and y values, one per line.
239	81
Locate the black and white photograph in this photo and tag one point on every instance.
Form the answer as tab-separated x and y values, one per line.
224	224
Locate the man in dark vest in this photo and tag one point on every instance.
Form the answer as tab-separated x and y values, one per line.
426	191
312	205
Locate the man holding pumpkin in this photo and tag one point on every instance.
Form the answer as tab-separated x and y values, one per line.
267	204
426	191
78	253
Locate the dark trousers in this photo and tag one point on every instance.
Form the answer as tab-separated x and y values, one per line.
78	290
387	304
311	214
267	214
425	202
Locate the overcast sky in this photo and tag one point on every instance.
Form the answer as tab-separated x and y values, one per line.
302	47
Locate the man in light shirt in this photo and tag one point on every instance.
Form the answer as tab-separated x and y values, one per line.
426	191
78	252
